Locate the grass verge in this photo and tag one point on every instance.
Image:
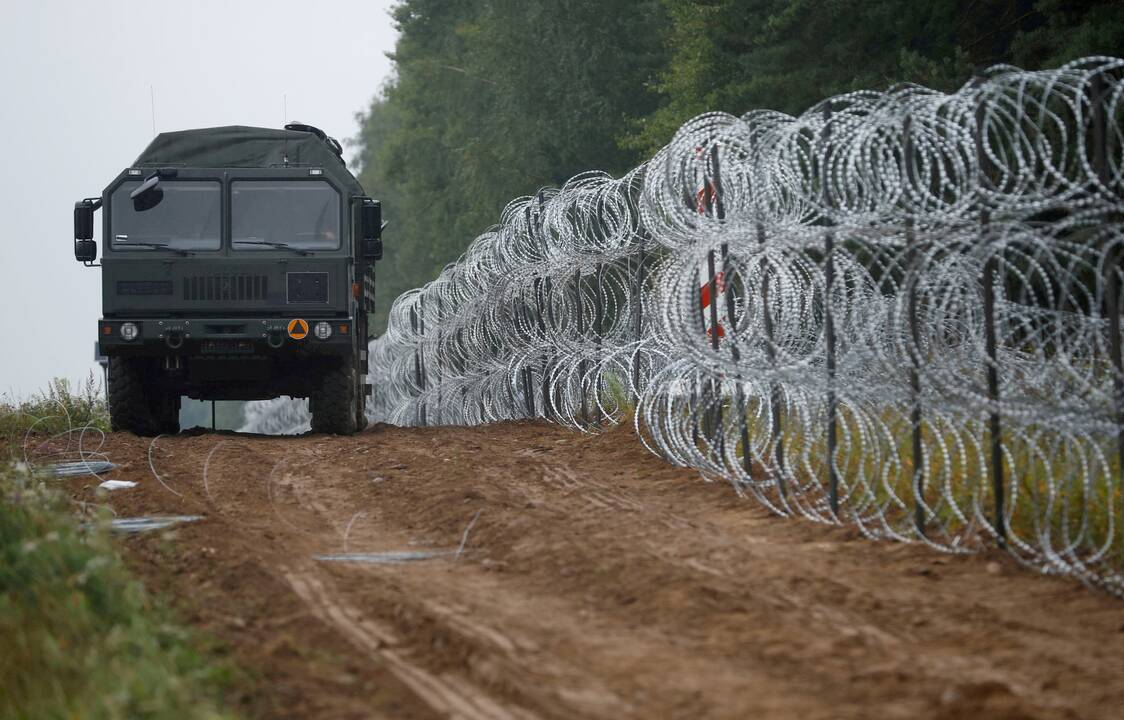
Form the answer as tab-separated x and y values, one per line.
79	637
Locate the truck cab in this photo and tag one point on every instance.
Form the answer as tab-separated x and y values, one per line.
237	264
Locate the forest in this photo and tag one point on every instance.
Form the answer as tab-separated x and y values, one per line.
492	99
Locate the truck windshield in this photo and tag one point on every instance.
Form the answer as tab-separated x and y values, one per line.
189	217
280	214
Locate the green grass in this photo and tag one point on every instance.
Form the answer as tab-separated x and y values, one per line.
79	637
55	410
1045	476
617	398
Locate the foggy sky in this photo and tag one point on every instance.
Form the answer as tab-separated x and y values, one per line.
76	82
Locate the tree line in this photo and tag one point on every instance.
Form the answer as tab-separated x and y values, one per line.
492	99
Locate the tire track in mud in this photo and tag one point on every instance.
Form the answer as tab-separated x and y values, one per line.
447	695
598	582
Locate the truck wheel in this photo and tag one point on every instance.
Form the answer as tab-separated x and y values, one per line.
128	408
333	405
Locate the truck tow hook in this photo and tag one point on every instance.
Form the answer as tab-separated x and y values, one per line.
174	340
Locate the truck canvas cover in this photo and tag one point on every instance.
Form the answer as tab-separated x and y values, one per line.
238	146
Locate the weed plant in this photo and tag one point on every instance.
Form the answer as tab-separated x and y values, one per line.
55	410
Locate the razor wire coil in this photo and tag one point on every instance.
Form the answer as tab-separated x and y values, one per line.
899	310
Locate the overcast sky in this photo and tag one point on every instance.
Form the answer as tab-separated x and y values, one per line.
77	80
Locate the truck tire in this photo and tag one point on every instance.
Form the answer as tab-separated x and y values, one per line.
333	404
128	406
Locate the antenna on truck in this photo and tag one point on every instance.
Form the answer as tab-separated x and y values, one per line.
284	124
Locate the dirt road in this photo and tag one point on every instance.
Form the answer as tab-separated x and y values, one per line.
595	581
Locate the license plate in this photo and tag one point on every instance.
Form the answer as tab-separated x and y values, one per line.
228	347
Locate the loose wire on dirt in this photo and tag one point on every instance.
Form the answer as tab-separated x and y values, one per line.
464	537
206	467
152	467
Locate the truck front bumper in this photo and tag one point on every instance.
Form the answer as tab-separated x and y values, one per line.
225	336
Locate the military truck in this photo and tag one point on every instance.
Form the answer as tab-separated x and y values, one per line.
237	264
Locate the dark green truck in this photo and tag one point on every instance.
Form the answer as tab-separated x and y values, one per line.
238	264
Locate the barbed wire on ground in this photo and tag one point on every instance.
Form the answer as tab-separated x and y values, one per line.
899	310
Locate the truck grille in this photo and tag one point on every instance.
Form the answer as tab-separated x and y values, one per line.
225	287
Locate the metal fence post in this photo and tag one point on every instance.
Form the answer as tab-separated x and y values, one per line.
541	316
700	205
829	325
714	413
712	289
417	358
990	270
439	355
422	370
732	321
462	367
544	361
720	214
598	311
717	205
543	309
777	429
580	311
695	376
522	314
1099	93
638	326
912	271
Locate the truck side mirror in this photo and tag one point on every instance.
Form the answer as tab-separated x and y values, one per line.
85	249
83	220
149	194
370	220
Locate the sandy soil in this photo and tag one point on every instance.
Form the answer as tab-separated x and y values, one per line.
596	582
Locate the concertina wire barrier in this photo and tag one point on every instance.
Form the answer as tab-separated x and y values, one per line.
898	311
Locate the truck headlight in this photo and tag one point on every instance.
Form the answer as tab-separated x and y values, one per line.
129	331
323	330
